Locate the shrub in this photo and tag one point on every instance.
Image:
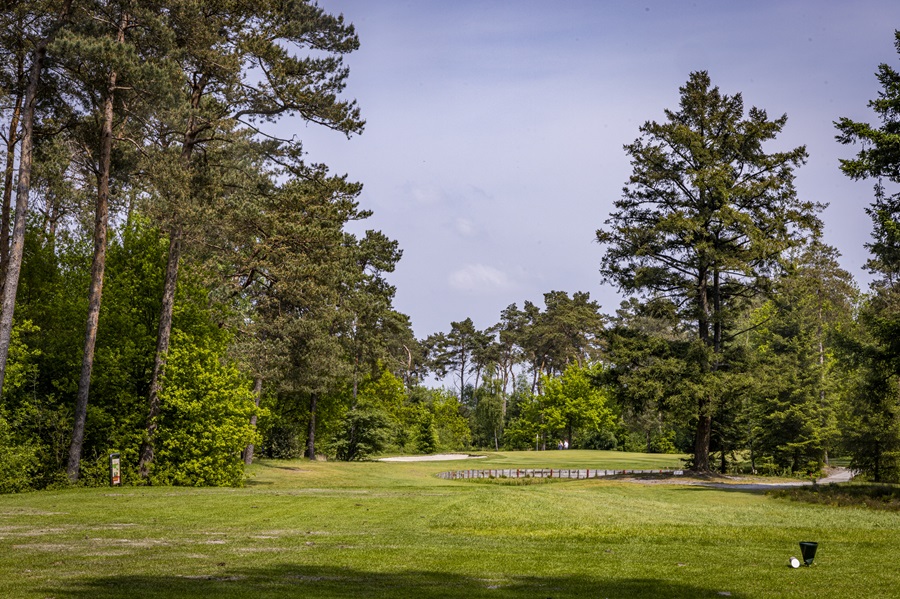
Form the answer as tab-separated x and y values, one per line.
365	430
18	462
205	417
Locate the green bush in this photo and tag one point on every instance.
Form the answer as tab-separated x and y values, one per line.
18	462
364	431
604	439
205	417
426	434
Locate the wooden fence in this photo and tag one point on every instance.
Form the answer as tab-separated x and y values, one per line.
547	473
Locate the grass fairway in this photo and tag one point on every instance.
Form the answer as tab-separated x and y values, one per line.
393	530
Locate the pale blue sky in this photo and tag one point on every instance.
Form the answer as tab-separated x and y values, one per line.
493	145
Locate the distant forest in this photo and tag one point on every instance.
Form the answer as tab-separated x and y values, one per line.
180	286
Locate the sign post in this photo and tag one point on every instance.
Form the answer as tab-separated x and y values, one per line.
115	472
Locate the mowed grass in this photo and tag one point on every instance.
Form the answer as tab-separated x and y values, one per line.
394	530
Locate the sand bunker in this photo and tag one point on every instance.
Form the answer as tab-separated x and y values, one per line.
441	457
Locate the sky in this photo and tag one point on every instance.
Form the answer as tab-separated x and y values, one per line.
493	147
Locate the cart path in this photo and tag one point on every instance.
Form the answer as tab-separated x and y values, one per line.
836	475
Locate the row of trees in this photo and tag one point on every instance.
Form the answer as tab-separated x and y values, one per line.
170	262
743	338
747	331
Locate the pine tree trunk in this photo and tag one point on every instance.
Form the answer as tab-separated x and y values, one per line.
164	332
23	188
355	392
11	142
704	418
821	338
701	441
163	336
408	367
98	266
462	378
311	436
257	397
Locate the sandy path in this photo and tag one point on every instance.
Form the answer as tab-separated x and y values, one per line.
836	475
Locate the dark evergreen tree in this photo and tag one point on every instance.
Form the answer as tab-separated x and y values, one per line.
875	420
703	220
796	388
454	353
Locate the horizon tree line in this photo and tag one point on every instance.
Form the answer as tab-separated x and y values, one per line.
180	286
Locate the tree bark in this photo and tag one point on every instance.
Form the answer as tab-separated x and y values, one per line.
98	266
163	336
11	142
704	418
357	358
257	397
701	441
311	436
23	188
164	332
820	336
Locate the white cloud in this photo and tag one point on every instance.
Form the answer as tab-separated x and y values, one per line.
465	227
479	278
425	195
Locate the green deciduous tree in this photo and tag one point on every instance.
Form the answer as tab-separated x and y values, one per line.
488	417
452	426
364	430
703	220
205	419
574	406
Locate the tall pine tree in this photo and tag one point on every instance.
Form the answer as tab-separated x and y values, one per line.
704	218
876	413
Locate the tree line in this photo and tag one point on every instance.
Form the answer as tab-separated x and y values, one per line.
169	259
742	340
181	287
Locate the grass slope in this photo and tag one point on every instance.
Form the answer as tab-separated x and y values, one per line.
392	530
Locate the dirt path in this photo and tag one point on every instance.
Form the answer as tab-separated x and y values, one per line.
835	475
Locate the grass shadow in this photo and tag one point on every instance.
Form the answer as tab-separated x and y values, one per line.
258	483
866	495
290	581
749	488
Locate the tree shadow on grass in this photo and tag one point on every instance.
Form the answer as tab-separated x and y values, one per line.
753	488
259	483
290	581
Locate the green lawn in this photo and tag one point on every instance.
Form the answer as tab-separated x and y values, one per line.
333	530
